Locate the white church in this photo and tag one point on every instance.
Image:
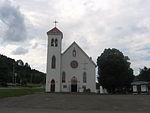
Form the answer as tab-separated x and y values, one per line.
69	71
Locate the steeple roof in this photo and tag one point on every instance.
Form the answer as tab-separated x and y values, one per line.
54	31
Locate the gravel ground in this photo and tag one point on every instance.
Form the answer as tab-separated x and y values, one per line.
75	103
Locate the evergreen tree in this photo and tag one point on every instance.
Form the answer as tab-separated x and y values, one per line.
24	74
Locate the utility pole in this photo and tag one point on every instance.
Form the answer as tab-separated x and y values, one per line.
15	77
13	73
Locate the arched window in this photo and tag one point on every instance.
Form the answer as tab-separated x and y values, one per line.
84	77
52	42
74	53
56	42
53	65
63	77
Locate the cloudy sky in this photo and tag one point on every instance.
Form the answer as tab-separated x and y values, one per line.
93	24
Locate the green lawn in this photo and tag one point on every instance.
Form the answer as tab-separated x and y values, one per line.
34	85
19	92
26	86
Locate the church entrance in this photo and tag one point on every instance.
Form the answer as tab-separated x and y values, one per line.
74	84
53	85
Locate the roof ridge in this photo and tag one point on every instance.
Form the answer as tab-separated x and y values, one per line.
54	30
81	50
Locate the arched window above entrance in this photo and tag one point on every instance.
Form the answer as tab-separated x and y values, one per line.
53	65
52	81
74	80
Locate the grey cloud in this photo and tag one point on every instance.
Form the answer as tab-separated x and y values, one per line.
20	51
35	46
128	31
14	20
119	24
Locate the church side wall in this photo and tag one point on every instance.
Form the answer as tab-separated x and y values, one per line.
91	79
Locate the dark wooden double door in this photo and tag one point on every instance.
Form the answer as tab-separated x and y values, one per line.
53	86
74	84
74	88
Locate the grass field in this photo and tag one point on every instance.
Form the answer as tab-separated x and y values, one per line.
19	92
26	86
34	85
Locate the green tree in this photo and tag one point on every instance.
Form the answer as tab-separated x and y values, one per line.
114	71
20	62
8	67
144	74
3	73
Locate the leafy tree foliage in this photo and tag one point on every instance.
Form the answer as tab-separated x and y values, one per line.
24	74
144	74
114	71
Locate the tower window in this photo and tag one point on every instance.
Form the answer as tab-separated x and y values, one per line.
53	65
63	77
84	77
56	42
52	42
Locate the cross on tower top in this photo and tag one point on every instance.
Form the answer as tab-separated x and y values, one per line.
55	22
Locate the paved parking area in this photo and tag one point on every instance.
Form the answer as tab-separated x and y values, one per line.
75	103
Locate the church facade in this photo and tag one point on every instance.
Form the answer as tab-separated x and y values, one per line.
70	71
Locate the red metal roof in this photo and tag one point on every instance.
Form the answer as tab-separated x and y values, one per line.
54	30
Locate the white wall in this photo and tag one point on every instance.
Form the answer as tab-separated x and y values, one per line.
81	58
53	73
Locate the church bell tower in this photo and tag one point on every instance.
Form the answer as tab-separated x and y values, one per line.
54	60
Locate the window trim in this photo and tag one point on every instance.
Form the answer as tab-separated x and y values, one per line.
84	77
56	42
53	63
52	42
63	77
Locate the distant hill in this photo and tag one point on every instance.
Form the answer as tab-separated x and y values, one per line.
12	71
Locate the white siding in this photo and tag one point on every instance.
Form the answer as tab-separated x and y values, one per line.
81	58
63	64
53	73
